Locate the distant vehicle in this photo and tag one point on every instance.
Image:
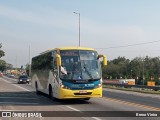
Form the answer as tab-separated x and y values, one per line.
68	73
23	79
11	76
1	74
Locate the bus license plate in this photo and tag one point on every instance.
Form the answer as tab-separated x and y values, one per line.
82	91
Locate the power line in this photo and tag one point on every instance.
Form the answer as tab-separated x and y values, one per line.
130	45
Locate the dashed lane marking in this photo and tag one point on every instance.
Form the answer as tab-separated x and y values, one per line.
73	108
17	98
18	103
96	118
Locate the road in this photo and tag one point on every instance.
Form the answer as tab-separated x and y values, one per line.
22	97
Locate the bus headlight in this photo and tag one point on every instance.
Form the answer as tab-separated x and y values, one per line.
99	85
63	86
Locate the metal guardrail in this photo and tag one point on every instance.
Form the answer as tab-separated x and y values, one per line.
135	86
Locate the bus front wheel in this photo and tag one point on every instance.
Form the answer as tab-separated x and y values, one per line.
86	98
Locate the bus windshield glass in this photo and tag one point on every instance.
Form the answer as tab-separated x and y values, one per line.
80	65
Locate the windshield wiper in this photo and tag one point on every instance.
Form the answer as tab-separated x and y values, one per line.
92	80
89	74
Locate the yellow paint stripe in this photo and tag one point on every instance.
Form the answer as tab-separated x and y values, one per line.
132	104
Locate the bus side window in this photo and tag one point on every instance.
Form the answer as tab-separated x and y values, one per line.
53	62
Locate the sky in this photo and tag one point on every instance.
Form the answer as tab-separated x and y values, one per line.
108	24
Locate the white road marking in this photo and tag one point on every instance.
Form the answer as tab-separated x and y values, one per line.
96	118
21	87
73	108
16	85
19	97
18	103
10	78
5	80
10	110
81	111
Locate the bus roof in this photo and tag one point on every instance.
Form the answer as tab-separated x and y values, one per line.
68	48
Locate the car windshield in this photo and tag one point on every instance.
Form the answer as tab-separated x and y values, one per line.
23	77
80	65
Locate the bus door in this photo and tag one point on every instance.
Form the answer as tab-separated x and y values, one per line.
55	84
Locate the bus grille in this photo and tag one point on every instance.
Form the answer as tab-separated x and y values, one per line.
88	93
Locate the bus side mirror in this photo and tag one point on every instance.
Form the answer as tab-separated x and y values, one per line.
58	57
104	59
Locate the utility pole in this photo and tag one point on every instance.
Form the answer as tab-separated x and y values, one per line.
16	65
29	63
143	71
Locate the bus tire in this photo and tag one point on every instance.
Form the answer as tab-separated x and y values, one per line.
51	93
36	86
86	98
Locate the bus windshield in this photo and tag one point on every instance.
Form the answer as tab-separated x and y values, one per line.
80	65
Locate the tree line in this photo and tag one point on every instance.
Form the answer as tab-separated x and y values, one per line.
142	69
2	62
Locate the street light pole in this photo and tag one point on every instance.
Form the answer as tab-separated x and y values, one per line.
79	26
16	64
29	62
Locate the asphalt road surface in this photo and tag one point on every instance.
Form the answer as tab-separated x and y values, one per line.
22	98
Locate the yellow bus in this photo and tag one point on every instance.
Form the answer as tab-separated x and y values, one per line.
68	73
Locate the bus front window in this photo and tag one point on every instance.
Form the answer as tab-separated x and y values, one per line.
80	65
90	65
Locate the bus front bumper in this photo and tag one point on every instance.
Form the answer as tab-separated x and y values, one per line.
71	94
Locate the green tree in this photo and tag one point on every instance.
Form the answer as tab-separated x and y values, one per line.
2	65
136	68
2	53
118	68
2	62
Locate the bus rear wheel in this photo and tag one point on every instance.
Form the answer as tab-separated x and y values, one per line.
51	93
36	86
